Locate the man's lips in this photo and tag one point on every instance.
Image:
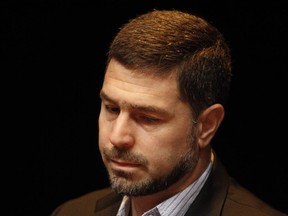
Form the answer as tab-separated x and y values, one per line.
124	164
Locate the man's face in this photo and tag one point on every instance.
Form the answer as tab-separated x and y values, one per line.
145	132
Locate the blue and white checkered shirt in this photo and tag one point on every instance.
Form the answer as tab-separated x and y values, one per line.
176	205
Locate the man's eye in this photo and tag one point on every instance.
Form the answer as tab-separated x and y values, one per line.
149	119
112	109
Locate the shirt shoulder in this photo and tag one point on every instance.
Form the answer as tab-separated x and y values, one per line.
241	201
85	205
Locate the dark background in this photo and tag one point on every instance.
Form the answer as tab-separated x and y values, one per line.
54	58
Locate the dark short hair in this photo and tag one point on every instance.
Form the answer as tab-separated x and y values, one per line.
161	42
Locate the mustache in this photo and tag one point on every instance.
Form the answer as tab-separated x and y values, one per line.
123	154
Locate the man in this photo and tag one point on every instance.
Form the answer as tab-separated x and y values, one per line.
163	96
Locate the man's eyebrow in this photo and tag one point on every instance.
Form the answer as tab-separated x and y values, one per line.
104	96
139	108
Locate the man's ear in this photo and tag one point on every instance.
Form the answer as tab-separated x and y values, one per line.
208	123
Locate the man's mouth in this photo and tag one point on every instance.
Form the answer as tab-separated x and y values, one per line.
120	164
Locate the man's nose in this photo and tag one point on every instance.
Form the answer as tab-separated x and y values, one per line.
122	131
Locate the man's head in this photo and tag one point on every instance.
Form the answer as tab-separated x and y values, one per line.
167	76
164	42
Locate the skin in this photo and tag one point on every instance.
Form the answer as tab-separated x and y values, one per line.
145	131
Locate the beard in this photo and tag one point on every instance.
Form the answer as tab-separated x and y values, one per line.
121	182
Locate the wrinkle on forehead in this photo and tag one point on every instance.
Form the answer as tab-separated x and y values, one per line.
144	86
127	80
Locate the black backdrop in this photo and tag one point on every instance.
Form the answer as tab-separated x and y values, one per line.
54	56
